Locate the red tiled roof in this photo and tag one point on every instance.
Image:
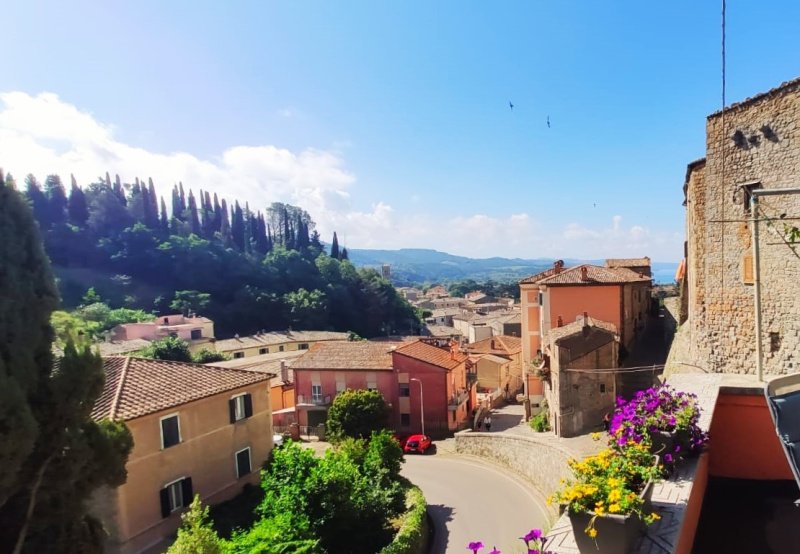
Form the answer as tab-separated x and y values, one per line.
501	344
136	387
353	355
428	353
595	275
539	276
275	338
577	326
628	262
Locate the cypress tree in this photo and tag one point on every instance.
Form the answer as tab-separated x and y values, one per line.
224	223
56	200
182	201
38	200
194	220
176	203
344	255
77	210
52	455
335	246
163	223
217	214
237	227
118	189
153	208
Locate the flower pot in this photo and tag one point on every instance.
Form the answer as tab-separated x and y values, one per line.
615	534
662	442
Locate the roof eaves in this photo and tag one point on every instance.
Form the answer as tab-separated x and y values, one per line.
112	415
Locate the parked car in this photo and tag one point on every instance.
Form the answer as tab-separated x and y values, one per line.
401	439
417	443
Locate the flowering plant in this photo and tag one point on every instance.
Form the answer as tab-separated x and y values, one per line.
610	482
659	410
534	542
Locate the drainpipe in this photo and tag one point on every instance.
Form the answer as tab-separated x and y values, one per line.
756	194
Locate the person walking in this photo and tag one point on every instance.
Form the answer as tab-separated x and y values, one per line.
487	422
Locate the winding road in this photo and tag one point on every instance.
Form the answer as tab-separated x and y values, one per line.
470	501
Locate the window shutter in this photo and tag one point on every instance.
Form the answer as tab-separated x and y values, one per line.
232	409
186	485
748	278
248	405
164	493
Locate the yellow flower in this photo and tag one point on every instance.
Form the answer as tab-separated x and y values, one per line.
614	508
596	436
592	532
614	495
655	516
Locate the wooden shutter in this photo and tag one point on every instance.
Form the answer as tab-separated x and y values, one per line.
232	409
186	486
248	405
748	276
164	494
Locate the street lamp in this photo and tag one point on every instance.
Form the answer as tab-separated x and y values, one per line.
421	405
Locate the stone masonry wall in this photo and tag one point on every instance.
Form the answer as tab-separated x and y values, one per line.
721	304
542	464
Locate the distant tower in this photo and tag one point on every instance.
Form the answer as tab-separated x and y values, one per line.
386	271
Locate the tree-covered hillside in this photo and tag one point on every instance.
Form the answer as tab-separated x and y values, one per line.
259	270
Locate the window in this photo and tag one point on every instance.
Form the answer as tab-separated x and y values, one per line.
541	298
237	355
242	462
316	393
170	431
747	194
263	350
196	334
302	346
405	420
175	496
602	387
340	386
241	407
404	390
280	348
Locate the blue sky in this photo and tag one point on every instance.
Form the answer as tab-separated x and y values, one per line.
390	122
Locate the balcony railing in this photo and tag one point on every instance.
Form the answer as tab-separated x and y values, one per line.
313	400
457	399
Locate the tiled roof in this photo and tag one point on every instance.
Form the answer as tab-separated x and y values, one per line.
577	326
442	331
627	262
136	387
501	344
352	355
539	276
444	312
595	275
274	338
424	352
117	347
265	363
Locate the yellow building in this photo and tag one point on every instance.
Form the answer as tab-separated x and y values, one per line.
269	343
196	429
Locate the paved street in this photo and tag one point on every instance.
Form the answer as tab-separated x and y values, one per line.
471	501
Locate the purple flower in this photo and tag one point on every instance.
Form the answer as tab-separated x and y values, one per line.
533	534
494	551
475	546
668	458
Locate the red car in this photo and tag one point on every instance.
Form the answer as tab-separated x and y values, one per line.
417	443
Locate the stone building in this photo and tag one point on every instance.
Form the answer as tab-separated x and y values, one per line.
579	399
750	145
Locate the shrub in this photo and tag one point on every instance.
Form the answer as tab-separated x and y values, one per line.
357	414
412	536
540	422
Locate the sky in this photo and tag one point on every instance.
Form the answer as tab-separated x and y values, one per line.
390	122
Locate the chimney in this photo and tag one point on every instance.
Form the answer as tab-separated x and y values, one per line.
492	344
585	319
560	322
558	265
284	372
584	273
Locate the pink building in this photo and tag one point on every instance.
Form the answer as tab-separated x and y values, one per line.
194	330
437	378
329	368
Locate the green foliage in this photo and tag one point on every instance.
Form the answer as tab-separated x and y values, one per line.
206	356
168	348
196	534
540	422
92	320
412	538
187	301
357	414
52	454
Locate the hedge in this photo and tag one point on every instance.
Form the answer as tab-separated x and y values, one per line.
412	538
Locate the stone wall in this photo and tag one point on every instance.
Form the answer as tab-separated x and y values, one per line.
541	463
756	140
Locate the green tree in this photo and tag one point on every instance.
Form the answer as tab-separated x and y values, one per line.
168	348
357	414
206	356
196	534
77	210
190	301
335	247
307	309
52	454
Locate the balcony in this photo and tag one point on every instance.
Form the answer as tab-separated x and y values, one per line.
457	399
312	400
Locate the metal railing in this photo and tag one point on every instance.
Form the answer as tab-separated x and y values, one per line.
314	400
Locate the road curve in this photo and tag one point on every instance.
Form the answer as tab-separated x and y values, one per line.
470	501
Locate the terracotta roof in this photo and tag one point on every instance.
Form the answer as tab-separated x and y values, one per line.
576	327
275	338
136	387
539	276
627	262
502	345
117	347
595	275
433	355
265	363
350	355
442	331
444	312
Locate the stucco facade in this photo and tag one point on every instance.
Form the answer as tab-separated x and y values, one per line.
753	143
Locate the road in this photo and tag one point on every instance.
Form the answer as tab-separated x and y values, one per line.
469	501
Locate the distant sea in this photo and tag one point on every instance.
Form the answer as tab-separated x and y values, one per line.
664	274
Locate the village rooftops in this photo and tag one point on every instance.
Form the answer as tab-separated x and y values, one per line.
275	338
442	331
349	355
587	274
433	355
264	363
501	345
628	262
577	326
136	387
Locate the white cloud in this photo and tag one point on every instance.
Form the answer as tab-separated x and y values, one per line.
44	135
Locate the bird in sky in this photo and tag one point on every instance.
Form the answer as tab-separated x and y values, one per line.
510	105
548	121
